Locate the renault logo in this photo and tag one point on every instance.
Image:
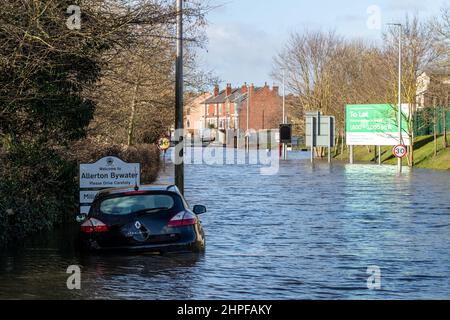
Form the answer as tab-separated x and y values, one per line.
138	225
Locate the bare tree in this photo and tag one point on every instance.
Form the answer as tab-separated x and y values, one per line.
135	96
325	72
419	51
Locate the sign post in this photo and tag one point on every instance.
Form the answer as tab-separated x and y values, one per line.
379	155
320	132
313	137
351	154
108	172
164	145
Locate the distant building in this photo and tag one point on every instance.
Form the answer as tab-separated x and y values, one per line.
433	85
194	113
227	109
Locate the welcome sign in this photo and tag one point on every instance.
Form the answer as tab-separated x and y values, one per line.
375	124
108	172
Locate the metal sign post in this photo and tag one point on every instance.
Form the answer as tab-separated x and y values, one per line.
331	131
313	137
351	155
164	145
379	155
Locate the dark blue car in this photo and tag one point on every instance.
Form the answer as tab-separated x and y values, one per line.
153	219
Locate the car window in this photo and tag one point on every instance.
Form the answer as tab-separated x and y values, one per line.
129	204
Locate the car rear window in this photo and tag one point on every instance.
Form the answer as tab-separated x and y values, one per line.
129	204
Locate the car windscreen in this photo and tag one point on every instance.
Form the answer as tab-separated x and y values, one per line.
126	205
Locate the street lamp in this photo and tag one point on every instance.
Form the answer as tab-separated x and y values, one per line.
400	26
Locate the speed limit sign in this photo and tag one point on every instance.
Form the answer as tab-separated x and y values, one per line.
164	144
400	151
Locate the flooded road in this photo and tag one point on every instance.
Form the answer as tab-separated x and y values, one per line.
309	232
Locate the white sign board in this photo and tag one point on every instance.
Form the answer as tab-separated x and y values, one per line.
277	136
109	172
85	209
87	197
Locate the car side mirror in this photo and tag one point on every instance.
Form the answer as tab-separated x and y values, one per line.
199	210
81	218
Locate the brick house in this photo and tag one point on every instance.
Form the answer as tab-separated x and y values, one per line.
227	109
194	113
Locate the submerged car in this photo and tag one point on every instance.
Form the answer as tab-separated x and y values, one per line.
154	219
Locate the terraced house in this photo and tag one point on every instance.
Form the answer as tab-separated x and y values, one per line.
228	109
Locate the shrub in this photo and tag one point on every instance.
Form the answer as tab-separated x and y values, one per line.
37	191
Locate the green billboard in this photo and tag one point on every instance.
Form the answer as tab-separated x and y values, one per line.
375	124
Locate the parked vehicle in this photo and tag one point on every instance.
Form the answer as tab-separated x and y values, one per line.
153	219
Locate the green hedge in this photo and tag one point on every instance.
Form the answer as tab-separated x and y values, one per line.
37	191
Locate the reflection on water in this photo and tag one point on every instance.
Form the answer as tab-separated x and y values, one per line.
308	232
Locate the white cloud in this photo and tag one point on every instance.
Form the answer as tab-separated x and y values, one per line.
240	53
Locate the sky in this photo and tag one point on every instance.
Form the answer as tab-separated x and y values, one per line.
245	35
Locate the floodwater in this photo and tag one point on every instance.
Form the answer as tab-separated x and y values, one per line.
308	232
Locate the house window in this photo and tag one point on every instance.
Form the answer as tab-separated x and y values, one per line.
220	108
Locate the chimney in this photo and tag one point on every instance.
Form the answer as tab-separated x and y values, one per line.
244	88
216	90
228	92
252	88
276	89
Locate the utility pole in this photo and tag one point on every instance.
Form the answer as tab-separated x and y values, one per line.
179	123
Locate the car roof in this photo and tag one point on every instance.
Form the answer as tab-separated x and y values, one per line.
142	188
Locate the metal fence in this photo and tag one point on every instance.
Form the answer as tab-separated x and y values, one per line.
424	121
